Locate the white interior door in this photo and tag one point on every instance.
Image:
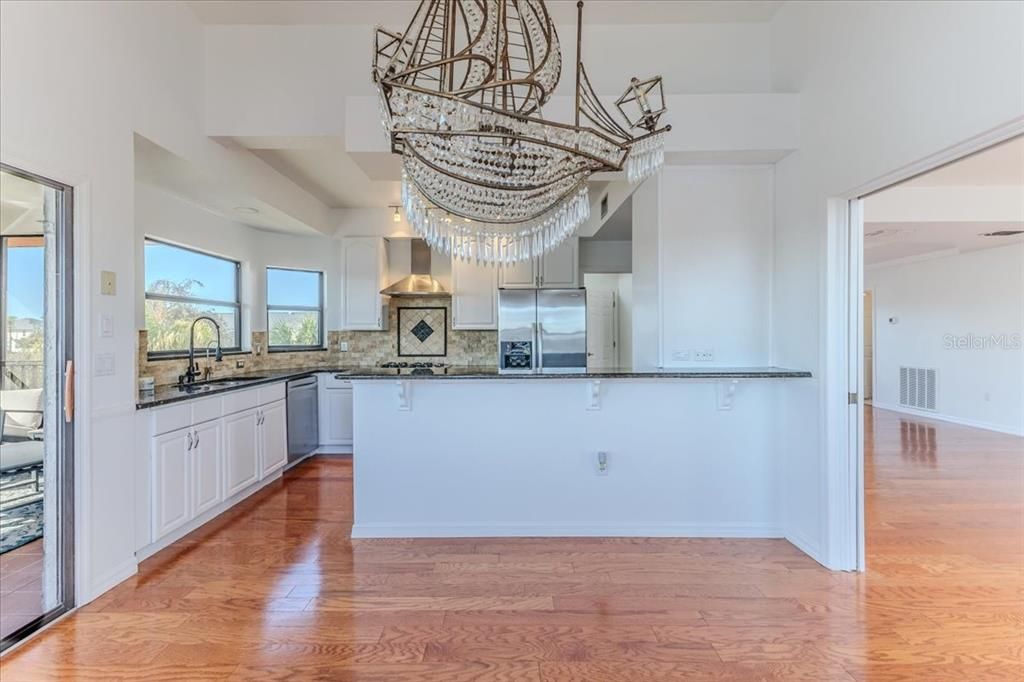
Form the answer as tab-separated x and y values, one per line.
602	328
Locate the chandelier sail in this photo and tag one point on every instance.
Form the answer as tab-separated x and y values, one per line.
484	175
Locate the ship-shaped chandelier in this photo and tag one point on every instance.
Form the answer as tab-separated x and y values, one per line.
484	175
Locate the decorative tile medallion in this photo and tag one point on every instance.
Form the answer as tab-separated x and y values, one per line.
422	331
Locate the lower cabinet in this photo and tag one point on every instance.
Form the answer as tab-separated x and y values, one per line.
273	437
241	451
206	457
207	462
336	416
171	476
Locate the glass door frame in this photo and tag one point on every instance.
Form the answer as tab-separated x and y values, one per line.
63	372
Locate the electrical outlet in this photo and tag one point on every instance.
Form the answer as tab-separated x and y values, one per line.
704	355
239	364
108	283
343	346
602	464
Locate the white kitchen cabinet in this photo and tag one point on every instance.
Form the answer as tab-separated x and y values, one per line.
365	263
207	462
474	295
521	275
171	453
336	417
557	269
205	454
241	451
273	437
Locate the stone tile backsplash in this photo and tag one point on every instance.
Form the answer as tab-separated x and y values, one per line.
365	349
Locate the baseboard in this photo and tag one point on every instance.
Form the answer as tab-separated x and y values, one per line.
924	414
111	580
807	547
207	516
723	530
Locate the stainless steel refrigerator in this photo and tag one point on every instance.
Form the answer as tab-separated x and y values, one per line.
542	331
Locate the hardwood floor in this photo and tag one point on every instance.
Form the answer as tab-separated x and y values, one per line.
21	586
277	590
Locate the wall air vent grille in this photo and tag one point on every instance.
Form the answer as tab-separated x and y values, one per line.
917	388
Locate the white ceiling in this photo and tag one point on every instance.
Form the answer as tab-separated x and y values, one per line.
389	12
1001	165
998	166
884	242
156	166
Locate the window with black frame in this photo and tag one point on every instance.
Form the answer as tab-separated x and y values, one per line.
295	309
183	284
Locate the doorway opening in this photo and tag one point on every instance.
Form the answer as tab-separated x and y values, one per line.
943	320
36	403
606	261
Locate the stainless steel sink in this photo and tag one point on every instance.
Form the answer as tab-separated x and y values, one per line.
226	382
229	381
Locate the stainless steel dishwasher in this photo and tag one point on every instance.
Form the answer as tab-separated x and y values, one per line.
303	418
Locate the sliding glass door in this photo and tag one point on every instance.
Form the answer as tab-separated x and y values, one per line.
36	403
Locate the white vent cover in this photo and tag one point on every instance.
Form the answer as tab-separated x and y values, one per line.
917	388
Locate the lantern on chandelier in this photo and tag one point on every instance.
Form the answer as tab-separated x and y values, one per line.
484	175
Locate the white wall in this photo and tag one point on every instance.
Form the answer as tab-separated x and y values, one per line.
938	302
716	265
882	85
169	218
606	256
646	291
117	68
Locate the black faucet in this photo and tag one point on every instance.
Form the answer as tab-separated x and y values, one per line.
192	372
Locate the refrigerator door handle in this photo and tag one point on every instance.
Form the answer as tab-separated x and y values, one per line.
539	334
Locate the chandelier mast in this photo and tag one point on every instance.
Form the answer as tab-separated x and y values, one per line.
484	175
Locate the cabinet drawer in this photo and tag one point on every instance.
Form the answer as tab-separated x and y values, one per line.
236	401
268	394
205	409
171	418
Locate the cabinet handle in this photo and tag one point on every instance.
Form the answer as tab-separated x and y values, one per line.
197	439
189	440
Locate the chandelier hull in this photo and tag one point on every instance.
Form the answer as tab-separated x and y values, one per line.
485	175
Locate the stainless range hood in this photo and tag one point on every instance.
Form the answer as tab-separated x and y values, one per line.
420	282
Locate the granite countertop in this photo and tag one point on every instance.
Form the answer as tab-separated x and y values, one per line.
164	395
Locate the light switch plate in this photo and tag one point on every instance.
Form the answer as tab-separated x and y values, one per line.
106	325
108	283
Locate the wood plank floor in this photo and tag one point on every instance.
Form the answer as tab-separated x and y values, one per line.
277	590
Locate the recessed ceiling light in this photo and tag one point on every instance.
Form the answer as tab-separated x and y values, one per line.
247	210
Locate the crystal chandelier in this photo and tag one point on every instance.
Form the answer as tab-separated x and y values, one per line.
484	175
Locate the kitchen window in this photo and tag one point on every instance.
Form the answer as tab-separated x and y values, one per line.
183	284
295	309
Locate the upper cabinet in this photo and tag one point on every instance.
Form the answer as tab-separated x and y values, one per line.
365	263
474	295
557	269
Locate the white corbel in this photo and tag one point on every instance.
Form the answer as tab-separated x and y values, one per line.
403	395
727	393
594	394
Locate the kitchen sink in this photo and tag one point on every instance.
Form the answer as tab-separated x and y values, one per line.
228	381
